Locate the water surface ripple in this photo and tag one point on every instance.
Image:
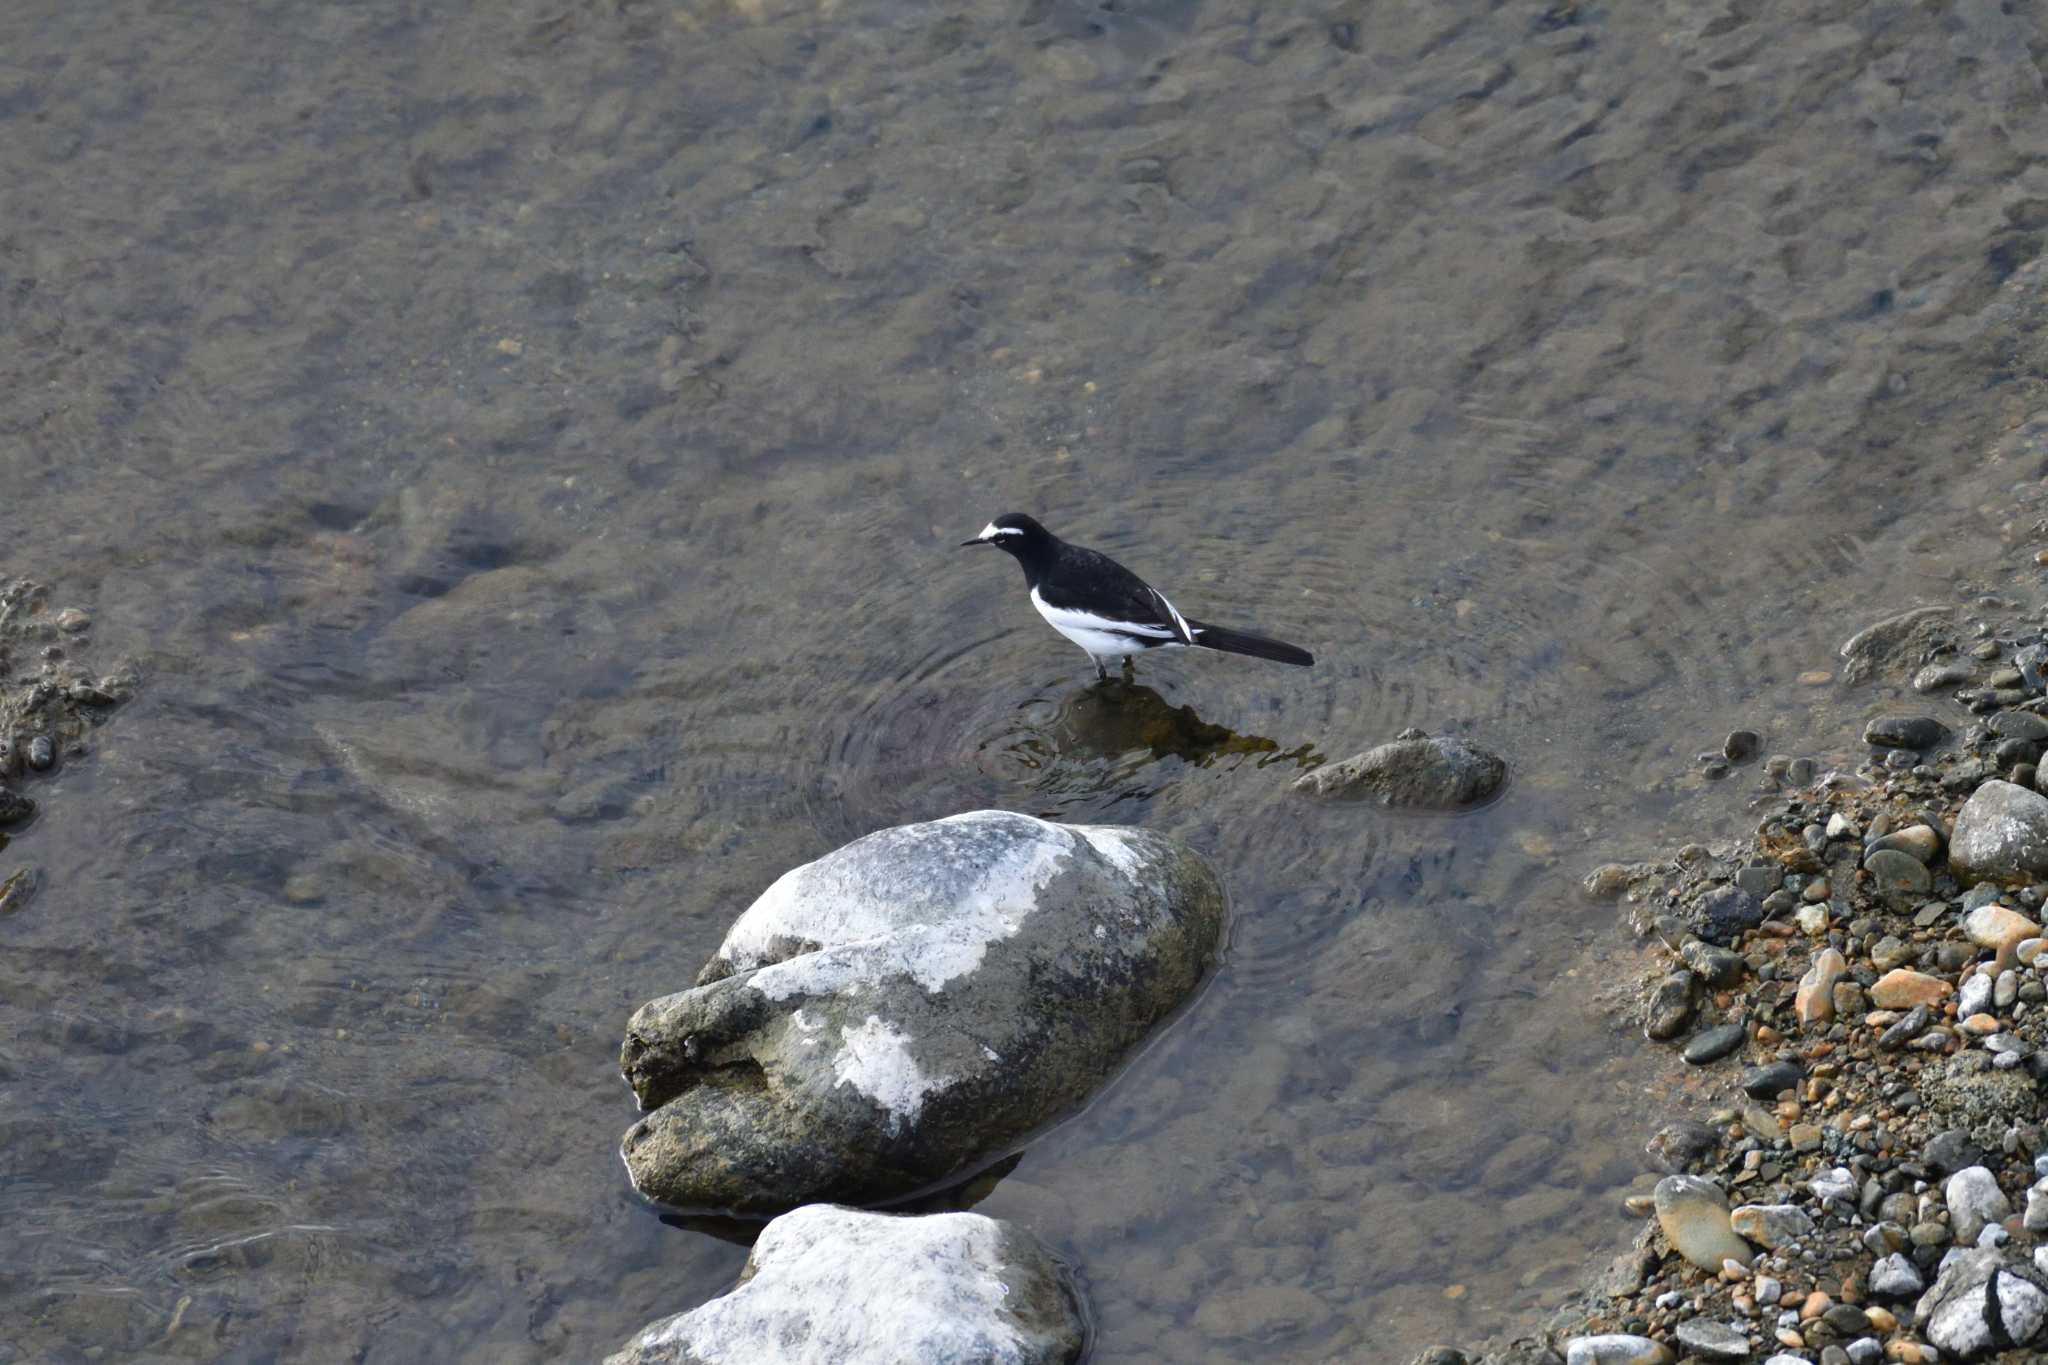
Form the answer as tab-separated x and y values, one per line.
521	448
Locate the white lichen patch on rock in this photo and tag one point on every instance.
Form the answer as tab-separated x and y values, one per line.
939	927
876	1061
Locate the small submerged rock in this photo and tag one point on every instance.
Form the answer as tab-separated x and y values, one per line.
1415	771
854	1288
1905	732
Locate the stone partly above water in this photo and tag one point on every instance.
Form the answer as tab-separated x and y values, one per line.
1615	1348
2001	834
826	1283
1693	1213
910	1007
1416	771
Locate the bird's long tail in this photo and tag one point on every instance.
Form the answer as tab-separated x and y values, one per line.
1245	642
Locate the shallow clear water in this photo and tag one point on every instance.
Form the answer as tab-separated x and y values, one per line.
522	451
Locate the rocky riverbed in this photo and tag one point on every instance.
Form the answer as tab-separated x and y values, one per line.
1856	1002
49	702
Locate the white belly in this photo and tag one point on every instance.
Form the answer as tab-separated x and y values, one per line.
1089	632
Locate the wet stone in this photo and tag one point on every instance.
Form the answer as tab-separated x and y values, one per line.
1767	1081
1905	732
1693	1214
1671	1006
2019	725
1713	1044
1726	911
41	753
1935	677
1680	1145
1717	967
1760	880
1424	772
14	807
1899	874
1741	746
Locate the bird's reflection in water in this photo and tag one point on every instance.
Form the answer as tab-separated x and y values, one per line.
1110	737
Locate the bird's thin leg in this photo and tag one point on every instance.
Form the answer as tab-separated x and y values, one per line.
1100	671
1130	670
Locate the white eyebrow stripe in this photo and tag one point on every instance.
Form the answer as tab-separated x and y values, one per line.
991	531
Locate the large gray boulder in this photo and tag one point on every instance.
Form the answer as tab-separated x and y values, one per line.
833	1285
1414	770
2001	835
910	1007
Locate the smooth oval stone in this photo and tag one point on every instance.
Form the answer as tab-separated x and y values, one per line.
1693	1214
2019	725
1903	989
1713	1044
1899	873
1815	1000
1921	841
1999	929
1765	1082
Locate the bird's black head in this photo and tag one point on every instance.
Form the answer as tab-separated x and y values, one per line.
1016	533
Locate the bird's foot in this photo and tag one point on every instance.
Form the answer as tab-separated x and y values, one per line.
1130	670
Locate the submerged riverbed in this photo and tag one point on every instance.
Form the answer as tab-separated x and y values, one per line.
519	452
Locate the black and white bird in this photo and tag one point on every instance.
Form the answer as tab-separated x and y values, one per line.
1108	610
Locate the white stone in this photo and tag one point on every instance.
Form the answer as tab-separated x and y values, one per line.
1840	1183
2037	1206
836	1286
1896	1277
1974	1200
1958	1325
2022	1307
1865	1351
1840	826
1812	919
1616	1348
1975	997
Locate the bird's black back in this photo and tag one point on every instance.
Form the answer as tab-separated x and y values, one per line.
1088	580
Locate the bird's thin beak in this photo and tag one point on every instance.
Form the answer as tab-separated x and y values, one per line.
976	541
